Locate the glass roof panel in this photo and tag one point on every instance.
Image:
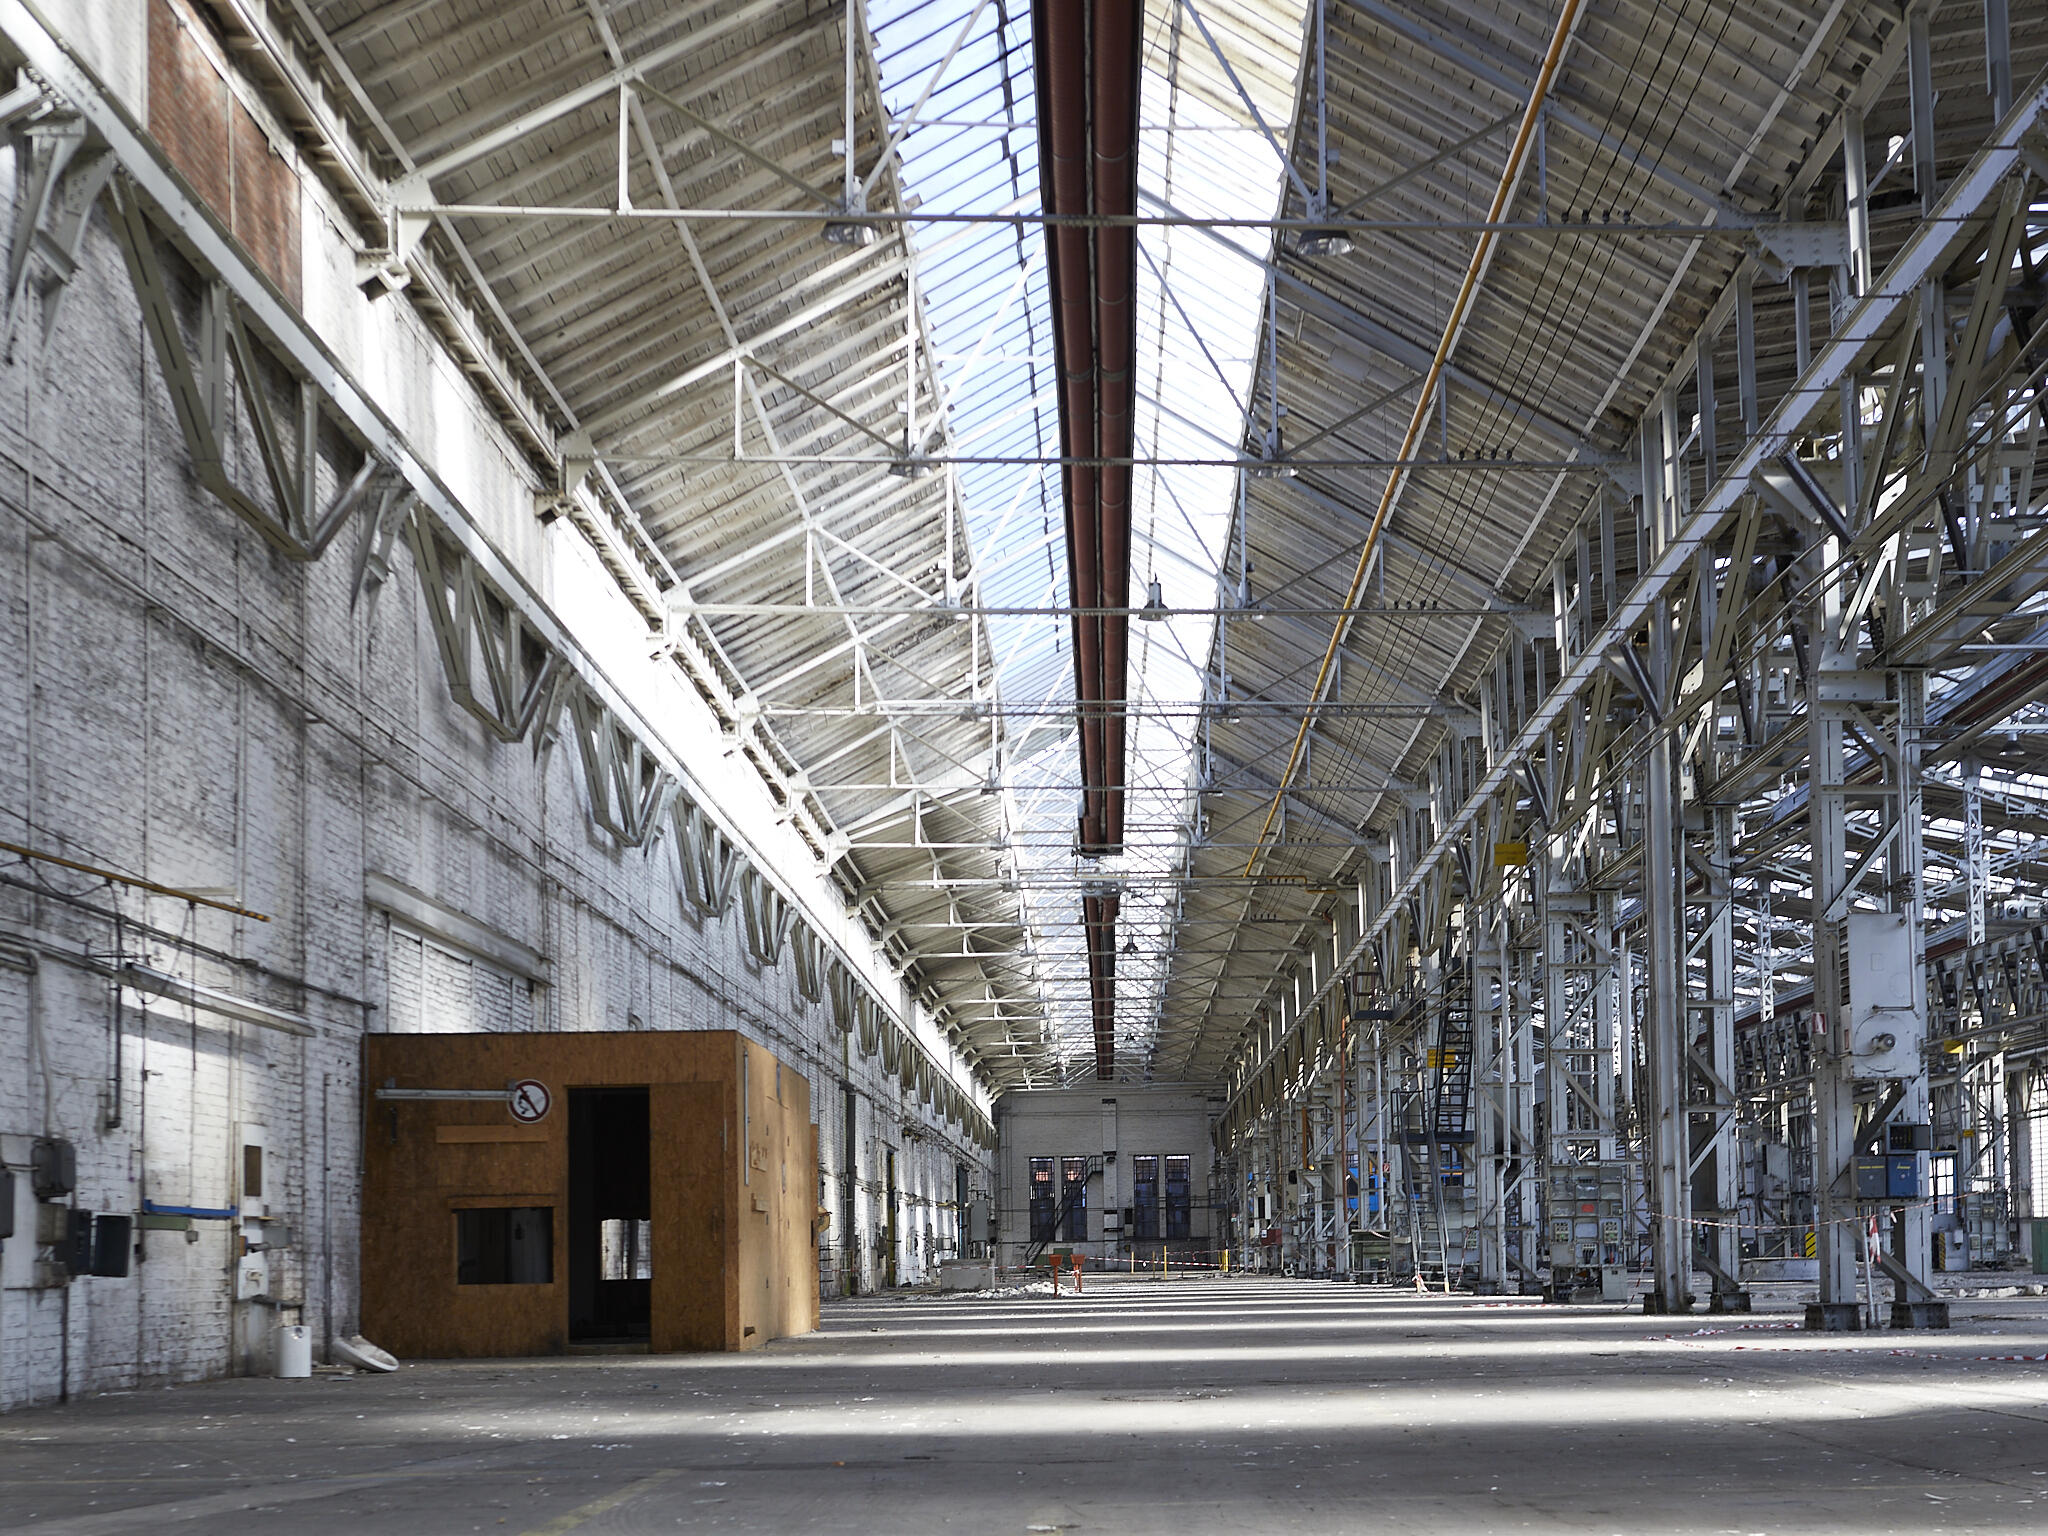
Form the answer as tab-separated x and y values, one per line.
973	148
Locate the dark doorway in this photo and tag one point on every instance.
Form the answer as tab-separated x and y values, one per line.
1044	1202
889	1233
849	1196
1074	1199
1145	1198
610	1214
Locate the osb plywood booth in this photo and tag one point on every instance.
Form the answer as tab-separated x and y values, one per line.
527	1194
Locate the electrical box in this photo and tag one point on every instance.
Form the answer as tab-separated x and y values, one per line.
113	1241
1887	1012
1951	1250
53	1223
1872	1178
255	1199
1587	1210
1112	1222
19	1255
75	1252
53	1167
978	1222
1902	1176
252	1276
1908	1137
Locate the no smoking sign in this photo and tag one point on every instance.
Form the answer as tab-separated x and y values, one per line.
529	1100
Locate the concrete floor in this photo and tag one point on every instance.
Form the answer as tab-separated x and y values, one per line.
1204	1405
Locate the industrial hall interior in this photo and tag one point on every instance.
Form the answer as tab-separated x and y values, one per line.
1142	766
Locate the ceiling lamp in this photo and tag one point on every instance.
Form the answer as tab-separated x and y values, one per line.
1322	239
844	230
1270	463
1155	603
839	232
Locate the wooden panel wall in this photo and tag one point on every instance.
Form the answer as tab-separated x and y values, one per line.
696	1164
778	1263
734	1188
424	1162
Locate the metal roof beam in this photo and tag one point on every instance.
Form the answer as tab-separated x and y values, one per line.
1516	86
1470	583
461	150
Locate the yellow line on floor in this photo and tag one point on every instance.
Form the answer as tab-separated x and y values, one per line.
565	1523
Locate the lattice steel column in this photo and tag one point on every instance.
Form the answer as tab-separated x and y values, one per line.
1716	1153
1977	869
1490	1096
1830	715
1912	1236
1667	1119
1375	1186
1518	1063
1579	988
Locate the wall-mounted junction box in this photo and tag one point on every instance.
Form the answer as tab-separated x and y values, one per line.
1887	1011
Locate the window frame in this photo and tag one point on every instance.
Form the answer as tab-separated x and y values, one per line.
1042	1206
1145	1190
1177	1211
475	1266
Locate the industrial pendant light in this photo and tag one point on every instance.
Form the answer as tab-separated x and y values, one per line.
1322	238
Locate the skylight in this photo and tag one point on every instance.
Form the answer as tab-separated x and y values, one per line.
973	148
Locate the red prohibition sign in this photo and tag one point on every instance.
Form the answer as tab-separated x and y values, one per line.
529	1100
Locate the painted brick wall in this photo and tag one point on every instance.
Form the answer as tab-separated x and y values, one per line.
183	705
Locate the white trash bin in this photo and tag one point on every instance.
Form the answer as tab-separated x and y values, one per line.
294	1351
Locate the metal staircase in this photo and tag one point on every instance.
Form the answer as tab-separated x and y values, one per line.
1438	1131
1073	1192
1450	1062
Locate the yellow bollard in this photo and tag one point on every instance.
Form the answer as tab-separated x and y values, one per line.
1226	1261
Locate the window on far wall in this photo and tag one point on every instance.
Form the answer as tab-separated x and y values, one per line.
1043	1201
1179	1182
1144	1199
2036	1161
1074	1197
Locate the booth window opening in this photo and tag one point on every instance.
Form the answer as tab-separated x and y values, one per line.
505	1245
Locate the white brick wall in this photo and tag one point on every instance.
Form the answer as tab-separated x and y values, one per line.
183	705
1157	1120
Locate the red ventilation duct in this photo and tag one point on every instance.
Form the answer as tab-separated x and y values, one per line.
1087	55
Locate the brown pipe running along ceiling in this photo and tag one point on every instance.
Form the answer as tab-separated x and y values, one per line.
1087	77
